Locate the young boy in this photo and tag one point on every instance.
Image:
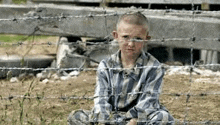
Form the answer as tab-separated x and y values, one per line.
129	82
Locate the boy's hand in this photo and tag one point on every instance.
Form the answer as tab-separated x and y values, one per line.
132	122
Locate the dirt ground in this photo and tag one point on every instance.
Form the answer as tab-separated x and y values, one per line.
47	103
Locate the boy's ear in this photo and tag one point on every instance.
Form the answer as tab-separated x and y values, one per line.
148	37
115	34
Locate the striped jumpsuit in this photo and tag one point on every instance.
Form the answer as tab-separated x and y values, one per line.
123	94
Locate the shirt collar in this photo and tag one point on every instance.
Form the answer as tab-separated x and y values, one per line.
116	58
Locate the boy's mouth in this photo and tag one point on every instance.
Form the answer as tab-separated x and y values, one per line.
130	49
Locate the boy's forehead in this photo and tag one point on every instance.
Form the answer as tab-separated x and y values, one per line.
127	27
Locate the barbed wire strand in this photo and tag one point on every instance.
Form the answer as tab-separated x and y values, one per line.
65	97
104	42
95	69
62	16
191	63
112	122
189	94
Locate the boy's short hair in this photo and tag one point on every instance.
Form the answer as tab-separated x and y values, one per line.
136	18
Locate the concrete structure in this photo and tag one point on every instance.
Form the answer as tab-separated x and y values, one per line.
134	1
168	28
17	61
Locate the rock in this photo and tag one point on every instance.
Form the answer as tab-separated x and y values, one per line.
49	75
74	73
39	75
14	79
64	73
24	76
65	61
45	81
29	61
53	64
55	76
65	78
44	75
174	63
9	75
186	71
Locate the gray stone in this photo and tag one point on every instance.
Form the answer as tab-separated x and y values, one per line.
45	81
31	61
133	1
174	24
14	79
55	76
64	60
24	76
65	78
74	73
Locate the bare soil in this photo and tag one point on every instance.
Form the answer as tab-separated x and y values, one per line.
47	103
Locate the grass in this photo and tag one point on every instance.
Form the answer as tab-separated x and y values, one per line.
55	110
43	111
17	1
17	38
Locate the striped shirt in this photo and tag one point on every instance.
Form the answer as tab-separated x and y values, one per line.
133	91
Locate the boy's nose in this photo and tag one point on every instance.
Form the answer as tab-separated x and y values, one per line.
131	43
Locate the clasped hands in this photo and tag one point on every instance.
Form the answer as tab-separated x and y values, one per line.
131	122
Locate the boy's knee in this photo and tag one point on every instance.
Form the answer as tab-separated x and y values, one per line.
78	117
163	118
167	116
71	119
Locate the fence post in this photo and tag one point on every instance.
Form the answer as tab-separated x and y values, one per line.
170	53
104	3
208	56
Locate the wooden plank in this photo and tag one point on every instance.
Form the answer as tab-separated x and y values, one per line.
13	11
200	44
90	22
135	1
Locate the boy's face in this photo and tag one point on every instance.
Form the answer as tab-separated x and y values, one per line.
124	35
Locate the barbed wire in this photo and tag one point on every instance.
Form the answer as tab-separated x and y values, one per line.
208	122
95	69
197	2
65	97
191	62
112	122
105	42
188	12
58	17
105	14
176	122
61	17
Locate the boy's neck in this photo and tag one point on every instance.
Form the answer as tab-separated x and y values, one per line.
128	61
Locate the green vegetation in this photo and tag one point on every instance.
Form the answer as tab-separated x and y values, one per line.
17	38
19	1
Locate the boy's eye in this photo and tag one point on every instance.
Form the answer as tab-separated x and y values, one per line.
138	38
125	36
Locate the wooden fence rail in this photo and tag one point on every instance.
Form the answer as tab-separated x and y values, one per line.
63	20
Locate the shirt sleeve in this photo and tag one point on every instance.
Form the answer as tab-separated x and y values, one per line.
148	101
102	109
